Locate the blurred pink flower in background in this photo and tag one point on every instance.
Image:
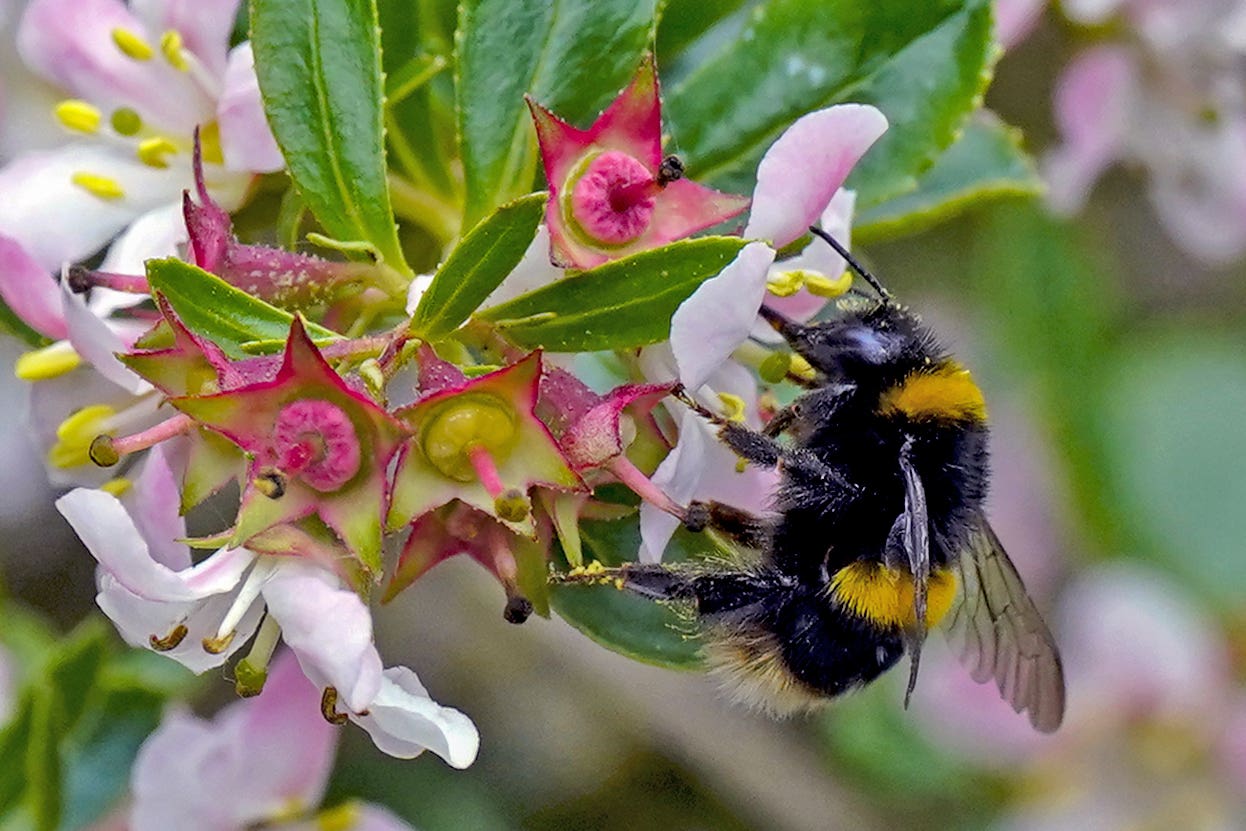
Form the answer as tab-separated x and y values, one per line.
259	762
1168	97
1154	730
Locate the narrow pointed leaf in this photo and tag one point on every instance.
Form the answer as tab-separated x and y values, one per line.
319	68
622	304
477	265
573	56
220	312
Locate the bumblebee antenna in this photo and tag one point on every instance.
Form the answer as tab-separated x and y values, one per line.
856	266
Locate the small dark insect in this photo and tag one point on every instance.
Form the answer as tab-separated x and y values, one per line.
879	531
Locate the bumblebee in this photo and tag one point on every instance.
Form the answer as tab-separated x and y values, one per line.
878	534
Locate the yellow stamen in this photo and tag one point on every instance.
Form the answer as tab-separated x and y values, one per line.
117	486
210	143
96	185
78	116
171	46
126	121
49	362
132	44
153	151
785	283
75	434
821	286
734	406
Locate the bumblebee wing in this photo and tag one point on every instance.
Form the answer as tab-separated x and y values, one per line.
1001	635
916	537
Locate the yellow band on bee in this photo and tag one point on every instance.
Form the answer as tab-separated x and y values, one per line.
885	596
947	392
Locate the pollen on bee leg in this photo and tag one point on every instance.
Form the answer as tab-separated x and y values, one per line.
328	707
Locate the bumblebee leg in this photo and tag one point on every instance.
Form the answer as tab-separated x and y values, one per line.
748	444
739	525
781	420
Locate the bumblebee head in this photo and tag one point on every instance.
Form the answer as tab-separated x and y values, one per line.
876	342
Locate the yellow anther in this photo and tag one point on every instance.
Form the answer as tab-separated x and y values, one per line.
78	116
826	287
210	143
217	645
132	44
117	487
733	406
49	362
171	46
801	368
75	434
96	185
126	121
785	283
741	465
153	151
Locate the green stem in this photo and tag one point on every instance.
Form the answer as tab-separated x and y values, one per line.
424	209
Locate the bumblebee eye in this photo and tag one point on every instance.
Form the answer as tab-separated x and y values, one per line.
871	345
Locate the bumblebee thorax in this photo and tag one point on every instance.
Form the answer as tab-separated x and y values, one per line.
943	391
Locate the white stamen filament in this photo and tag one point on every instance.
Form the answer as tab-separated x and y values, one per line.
250	590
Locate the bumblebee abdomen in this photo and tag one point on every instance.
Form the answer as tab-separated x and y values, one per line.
884	596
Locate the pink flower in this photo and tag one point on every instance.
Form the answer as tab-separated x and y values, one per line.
611	192
797	182
139	80
259	761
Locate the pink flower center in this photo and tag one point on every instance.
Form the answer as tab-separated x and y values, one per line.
316	441
612	200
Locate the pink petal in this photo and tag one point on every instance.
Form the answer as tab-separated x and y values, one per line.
181	777
403	722
69	42
98	341
1094	103
59	222
111	536
329	628
29	290
684	207
1015	19
709	325
818	257
806	165
205	25
154	504
247	143
284	747
633	121
137	619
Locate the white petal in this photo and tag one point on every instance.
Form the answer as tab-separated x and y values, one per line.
58	221
205	25
154	504
709	325
533	271
157	233
98	341
328	627
806	165
679	476
111	536
403	721
138	618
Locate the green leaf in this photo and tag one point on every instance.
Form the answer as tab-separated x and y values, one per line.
476	266
1175	446
43	761
225	315
319	69
573	56
985	162
619	305
925	65
685	21
655	633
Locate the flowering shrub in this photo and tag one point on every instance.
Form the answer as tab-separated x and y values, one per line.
530	232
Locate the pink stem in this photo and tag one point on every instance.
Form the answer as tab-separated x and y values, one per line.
176	426
485	469
630	475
